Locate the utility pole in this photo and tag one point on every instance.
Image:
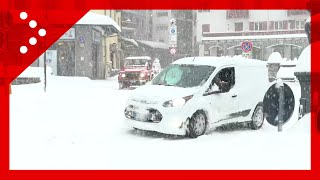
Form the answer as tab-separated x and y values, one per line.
280	87
173	38
45	70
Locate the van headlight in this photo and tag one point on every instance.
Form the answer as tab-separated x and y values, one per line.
177	102
142	75
123	75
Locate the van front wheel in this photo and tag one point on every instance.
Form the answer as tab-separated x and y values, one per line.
197	124
257	117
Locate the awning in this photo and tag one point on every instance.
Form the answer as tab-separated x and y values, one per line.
97	19
153	44
131	41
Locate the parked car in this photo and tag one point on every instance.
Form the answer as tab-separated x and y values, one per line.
136	71
195	94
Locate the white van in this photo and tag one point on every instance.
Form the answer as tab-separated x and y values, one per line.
195	94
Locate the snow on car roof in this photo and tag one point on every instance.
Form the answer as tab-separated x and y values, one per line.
220	61
139	57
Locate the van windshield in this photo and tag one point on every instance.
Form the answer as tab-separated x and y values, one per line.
182	75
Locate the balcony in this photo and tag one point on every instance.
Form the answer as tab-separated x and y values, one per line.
297	12
237	14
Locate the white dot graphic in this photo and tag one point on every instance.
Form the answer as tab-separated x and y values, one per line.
23	49
42	32
33	24
33	41
23	15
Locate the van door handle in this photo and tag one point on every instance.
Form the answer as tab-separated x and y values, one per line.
234	95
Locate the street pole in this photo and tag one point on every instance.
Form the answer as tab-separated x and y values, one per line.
45	70
281	107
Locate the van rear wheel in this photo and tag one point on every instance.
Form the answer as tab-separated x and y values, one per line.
197	124
257	117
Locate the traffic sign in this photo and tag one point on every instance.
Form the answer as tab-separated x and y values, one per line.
173	35
172	50
246	46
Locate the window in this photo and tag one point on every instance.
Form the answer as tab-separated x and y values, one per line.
225	79
162	14
278	25
238	26
292	24
205	28
300	24
238	14
258	26
200	11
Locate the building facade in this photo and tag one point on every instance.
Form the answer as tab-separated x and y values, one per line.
185	22
112	53
221	32
135	25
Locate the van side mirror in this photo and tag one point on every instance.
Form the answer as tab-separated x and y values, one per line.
213	89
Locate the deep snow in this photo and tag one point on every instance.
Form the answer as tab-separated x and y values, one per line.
78	124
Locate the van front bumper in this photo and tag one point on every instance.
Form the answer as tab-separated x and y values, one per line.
133	82
162	127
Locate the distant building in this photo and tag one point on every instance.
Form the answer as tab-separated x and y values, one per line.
134	24
81	51
185	22
221	32
112	53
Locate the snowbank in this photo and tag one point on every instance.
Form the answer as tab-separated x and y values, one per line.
34	72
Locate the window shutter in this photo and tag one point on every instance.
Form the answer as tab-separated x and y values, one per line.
285	24
271	25
292	24
264	25
205	28
251	26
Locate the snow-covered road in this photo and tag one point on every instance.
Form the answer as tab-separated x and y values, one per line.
78	124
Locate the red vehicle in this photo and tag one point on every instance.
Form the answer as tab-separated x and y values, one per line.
136	71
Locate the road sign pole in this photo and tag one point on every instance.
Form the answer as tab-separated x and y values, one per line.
45	71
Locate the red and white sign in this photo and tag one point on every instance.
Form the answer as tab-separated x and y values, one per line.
173	50
246	46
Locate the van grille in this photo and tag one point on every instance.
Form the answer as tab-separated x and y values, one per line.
153	115
132	75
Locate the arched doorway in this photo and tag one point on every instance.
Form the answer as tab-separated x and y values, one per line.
288	51
216	51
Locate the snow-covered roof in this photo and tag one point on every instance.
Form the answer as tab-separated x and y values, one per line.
281	36
304	61
153	44
139	57
131	40
97	19
220	61
275	57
